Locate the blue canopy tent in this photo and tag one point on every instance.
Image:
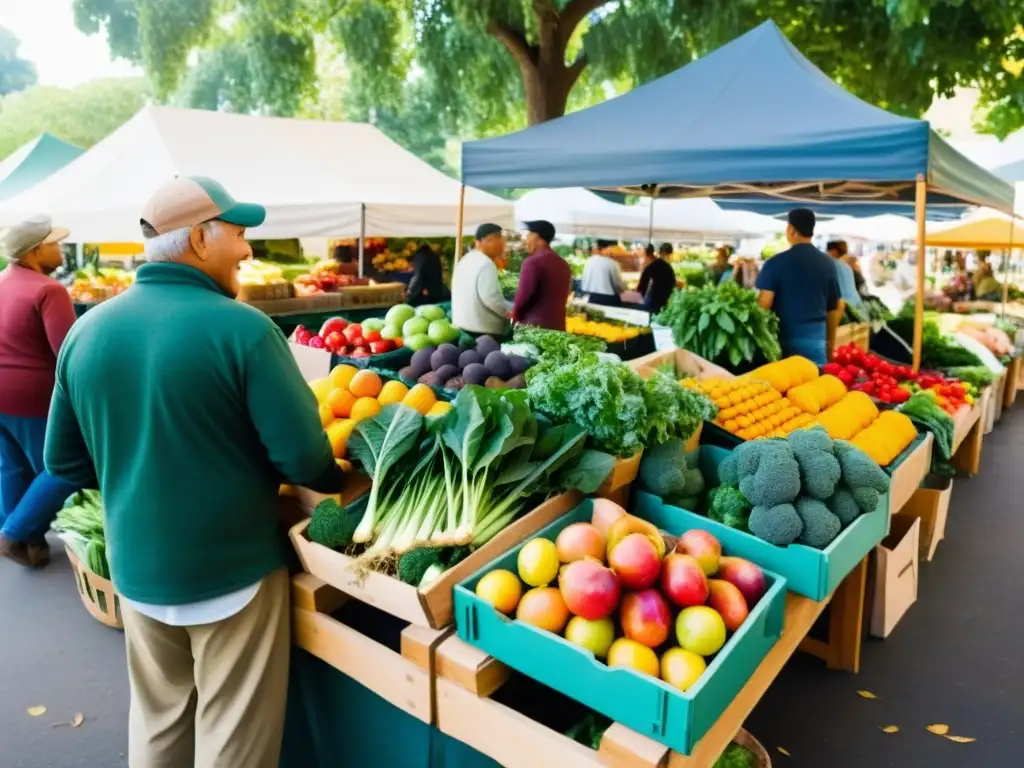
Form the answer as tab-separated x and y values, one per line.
33	162
769	207
1012	172
752	119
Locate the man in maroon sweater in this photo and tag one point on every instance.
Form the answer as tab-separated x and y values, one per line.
35	315
545	281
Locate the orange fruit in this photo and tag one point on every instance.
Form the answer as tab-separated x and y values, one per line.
341	402
544	607
321	389
342	375
502	589
365	384
392	392
364	408
631	654
440	408
338	433
420	398
326	414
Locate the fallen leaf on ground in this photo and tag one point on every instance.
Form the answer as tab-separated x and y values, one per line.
784	751
891	729
77	720
36	711
961	739
866	695
939	729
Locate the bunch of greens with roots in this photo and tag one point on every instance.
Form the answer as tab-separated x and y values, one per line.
461	478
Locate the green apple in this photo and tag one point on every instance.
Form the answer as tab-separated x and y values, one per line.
596	636
440	332
431	312
398	314
417	342
414	327
390	331
374	324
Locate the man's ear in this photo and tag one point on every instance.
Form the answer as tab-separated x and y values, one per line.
197	239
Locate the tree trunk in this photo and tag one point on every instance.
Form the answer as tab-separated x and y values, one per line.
546	93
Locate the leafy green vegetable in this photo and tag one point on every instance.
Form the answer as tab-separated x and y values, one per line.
976	375
590	730
557	346
673	410
736	756
80	524
723	324
937	350
924	411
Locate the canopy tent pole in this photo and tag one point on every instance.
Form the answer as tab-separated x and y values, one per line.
650	220
1006	266
459	222
920	210
362	235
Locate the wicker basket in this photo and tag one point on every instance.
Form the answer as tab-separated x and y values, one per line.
97	594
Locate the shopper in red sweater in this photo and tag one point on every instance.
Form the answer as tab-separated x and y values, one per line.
545	281
35	315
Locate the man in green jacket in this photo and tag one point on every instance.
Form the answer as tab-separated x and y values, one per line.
186	409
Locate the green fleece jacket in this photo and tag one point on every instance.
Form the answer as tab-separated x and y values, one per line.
189	410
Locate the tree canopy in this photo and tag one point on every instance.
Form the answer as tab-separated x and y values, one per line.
81	115
16	74
485	66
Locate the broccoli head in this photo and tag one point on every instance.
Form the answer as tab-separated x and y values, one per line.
859	469
728	506
820	525
727	470
819	467
844	506
691	503
663	469
867	498
768	472
414	564
333	526
779	525
694	482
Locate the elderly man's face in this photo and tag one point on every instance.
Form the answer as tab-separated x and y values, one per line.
221	247
49	257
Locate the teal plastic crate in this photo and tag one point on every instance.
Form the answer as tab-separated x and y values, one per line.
813	573
649	706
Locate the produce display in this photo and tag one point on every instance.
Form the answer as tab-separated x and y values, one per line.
722	324
666	472
80	525
806	488
893	384
325	278
94	285
750	409
554	346
403	326
618	409
994	339
886	437
455	479
348	395
783	375
937	350
452	367
602	329
636	599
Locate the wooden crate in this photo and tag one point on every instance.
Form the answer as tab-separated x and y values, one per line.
1013	372
98	595
686	363
616	485
907	477
467	680
380	295
858	334
269	292
432	605
967	437
404	679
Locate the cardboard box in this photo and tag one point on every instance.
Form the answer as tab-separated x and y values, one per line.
930	505
404	679
431	606
687	364
895	575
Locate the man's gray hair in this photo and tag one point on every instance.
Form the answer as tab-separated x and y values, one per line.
172	245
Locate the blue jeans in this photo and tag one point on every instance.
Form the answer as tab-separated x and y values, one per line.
29	497
811	347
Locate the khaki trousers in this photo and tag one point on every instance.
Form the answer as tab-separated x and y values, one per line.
211	696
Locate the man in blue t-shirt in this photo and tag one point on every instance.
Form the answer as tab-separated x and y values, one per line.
801	286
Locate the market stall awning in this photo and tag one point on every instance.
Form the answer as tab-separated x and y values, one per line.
753	118
875	229
577	211
312	176
769	207
1011	172
987	234
33	162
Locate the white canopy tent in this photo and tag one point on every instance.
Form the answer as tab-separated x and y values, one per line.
887	228
315	178
577	211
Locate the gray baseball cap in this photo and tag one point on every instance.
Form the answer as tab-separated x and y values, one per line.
28	234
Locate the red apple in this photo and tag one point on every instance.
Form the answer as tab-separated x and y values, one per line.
635	561
645	617
333	325
360	352
334	341
727	599
302	336
746	576
372	336
352	332
589	589
703	546
380	347
316	342
683	580
578	541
